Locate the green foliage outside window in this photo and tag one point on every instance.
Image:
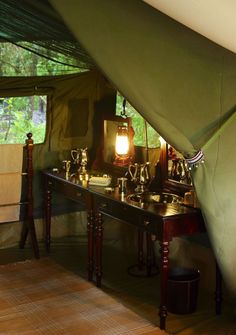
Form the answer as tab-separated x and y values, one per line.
19	115
16	61
139	126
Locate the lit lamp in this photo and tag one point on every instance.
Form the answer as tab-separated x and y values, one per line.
122	147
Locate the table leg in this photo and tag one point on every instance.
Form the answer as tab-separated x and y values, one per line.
149	256
90	230
99	238
140	250
48	209
164	268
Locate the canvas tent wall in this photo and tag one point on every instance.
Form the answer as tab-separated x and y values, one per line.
75	103
183	84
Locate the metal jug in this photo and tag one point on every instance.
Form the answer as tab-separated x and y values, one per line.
83	159
133	171
75	155
139	175
144	175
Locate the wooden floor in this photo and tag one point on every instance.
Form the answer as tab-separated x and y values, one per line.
141	294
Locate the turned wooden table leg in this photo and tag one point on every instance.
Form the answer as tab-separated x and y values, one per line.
218	292
90	229
48	210
99	238
149	254
140	250
164	269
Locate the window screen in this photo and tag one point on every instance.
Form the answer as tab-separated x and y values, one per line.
144	134
20	115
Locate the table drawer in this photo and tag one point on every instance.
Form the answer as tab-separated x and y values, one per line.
69	191
124	212
103	205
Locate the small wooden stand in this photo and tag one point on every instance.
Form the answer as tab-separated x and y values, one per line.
28	224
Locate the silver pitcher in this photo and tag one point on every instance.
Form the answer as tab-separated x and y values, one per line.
140	175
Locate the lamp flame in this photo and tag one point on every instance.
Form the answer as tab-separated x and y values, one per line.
122	146
122	141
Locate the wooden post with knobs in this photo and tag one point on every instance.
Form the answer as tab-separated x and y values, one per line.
28	224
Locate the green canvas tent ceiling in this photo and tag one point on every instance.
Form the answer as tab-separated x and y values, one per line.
180	81
35	25
214	19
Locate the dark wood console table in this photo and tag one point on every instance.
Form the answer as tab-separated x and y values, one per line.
165	221
78	192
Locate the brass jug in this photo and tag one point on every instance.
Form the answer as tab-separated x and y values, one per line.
83	159
75	155
80	158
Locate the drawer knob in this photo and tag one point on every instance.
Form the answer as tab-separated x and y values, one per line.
78	194
146	222
50	183
104	205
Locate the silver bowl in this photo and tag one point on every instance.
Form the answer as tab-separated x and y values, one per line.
154	197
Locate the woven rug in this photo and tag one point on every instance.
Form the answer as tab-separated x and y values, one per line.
41	297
